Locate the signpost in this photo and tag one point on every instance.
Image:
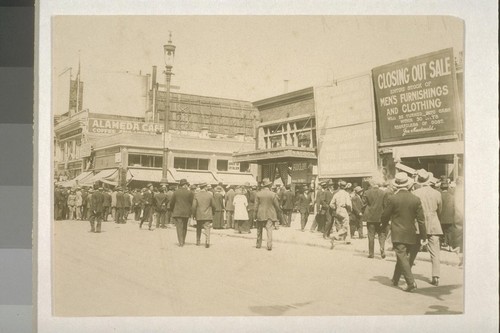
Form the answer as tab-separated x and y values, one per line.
416	97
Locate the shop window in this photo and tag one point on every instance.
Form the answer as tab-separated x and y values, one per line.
244	167
222	165
134	160
304	139
148	161
158	163
190	163
275	141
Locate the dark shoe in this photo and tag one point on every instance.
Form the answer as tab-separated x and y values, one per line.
207	246
257	247
370	256
197	243
269	248
382	254
395	282
140	225
435	281
411	288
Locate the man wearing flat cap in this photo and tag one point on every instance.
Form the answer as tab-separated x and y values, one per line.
403	209
267	207
432	205
181	206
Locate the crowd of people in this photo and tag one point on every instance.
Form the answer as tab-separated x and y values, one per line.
403	210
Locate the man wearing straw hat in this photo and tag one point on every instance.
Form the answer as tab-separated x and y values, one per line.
267	207
402	209
432	205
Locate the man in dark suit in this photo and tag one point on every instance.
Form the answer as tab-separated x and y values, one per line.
287	204
304	206
403	209
119	206
203	207
136	203
97	209
181	206
374	198
106	204
447	215
267	207
147	204
160	204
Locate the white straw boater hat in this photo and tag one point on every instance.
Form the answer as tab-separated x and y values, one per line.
402	180
424	177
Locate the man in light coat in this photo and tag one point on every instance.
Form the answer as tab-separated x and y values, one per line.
267	207
341	204
432	204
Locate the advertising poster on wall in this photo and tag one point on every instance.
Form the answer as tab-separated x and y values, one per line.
416	98
345	118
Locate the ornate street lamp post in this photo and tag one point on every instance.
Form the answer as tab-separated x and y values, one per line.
169	53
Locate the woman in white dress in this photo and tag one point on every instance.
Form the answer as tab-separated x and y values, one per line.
240	211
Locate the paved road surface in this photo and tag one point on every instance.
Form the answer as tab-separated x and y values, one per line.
125	271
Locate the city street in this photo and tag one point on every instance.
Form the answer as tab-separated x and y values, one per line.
127	271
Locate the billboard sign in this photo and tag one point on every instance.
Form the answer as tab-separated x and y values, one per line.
112	126
416	97
345	127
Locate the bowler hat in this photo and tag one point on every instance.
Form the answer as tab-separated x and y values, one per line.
183	182
266	182
424	177
402	180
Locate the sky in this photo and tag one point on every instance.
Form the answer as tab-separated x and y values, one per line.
246	57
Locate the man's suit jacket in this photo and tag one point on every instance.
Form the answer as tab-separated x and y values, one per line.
267	205
403	209
288	200
120	200
97	201
374	204
229	199
432	205
203	205
106	201
448	211
304	203
218	202
158	199
182	202
147	198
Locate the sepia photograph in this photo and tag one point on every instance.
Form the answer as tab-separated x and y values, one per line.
240	166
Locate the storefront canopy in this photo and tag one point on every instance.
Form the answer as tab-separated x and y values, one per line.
228	178
108	176
146	175
193	176
80	180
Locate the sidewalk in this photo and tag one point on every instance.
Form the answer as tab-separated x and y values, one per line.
293	235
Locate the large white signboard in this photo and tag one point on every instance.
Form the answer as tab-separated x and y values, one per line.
345	126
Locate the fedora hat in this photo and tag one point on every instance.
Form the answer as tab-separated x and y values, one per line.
183	182
424	177
342	184
266	182
358	189
202	185
402	180
323	184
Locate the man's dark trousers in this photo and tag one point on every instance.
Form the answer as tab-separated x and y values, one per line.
181	226
405	254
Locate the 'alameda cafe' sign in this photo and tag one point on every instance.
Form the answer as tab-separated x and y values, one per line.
108	126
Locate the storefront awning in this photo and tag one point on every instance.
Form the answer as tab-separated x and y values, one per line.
80	180
146	175
276	154
236	178
431	149
193	176
108	176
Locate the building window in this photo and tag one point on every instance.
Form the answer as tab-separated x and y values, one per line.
222	165
148	161
190	163
244	167
297	133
